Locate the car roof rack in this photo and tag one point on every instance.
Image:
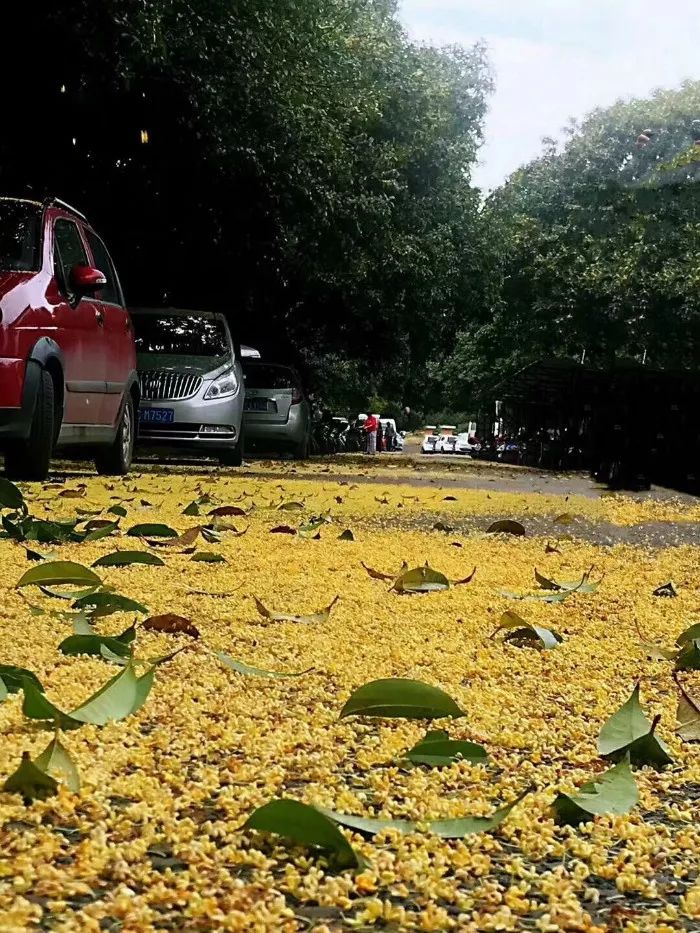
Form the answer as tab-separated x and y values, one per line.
57	202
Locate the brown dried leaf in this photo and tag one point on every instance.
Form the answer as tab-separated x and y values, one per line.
283	530
377	574
227	510
170	624
186	540
465	580
73	493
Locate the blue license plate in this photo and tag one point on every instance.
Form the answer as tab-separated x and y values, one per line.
157	415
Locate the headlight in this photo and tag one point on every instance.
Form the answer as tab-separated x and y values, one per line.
224	387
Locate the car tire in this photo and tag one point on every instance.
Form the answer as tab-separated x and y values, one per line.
232	457
301	451
30	459
115	460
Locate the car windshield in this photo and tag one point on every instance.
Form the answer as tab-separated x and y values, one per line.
270	377
19	236
180	335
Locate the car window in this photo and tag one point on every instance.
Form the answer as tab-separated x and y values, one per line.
19	236
111	292
69	251
270	377
180	335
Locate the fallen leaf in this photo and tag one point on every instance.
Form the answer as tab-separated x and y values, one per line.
315	618
170	624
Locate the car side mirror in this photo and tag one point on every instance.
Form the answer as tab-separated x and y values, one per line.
86	280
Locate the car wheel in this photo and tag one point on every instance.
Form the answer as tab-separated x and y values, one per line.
31	459
233	456
301	451
115	460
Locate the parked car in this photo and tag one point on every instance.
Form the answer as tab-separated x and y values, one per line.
276	414
467	444
429	442
446	444
67	361
191	382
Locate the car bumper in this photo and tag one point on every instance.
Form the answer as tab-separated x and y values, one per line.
292	432
210	425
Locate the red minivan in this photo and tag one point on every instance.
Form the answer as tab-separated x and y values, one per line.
67	359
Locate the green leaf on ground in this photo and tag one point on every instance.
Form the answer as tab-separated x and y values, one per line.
151	530
95	534
314	619
437	749
346	535
446	829
536	597
11	496
628	731
36	706
58	572
117	510
99	605
191	509
57	762
29	781
121	696
207	557
576	586
68	594
92	643
615	791
401	698
307	826
687	715
126	558
521	632
33	554
506	527
240	668
688	657
690	634
421	580
566	518
12	678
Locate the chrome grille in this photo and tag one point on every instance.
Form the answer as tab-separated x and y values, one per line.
168	386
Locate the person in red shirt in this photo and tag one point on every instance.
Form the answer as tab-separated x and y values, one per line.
370	427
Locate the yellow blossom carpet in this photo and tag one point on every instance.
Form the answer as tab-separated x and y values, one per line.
153	840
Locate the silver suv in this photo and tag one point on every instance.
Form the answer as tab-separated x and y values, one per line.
191	382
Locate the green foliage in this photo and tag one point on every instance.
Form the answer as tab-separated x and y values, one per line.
615	791
308	826
401	698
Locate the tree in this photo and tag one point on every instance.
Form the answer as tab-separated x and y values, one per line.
299	164
595	248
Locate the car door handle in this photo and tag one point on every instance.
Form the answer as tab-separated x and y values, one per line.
100	317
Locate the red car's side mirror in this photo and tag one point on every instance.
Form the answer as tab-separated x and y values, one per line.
85	280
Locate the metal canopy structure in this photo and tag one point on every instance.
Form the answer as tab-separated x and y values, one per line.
563	414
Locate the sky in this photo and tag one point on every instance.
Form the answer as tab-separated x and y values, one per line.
555	59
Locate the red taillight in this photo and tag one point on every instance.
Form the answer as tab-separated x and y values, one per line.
297	398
